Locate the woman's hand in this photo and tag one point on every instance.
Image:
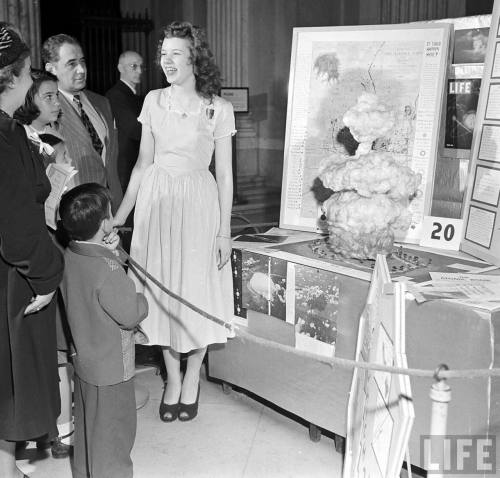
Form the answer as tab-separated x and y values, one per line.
117	222
39	302
223	246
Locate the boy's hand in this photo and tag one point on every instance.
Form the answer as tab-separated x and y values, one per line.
111	241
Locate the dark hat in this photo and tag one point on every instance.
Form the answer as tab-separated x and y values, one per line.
11	45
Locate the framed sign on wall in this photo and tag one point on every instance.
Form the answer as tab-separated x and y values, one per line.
237	96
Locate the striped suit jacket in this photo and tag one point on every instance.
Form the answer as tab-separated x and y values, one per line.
85	158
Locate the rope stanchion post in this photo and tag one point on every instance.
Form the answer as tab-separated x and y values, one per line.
440	395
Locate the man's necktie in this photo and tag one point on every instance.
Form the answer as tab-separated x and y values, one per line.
96	141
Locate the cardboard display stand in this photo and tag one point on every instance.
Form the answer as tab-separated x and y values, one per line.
482	210
380	410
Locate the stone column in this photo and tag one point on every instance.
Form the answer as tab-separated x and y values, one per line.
25	15
227	30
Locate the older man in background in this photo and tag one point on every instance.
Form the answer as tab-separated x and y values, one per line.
126	105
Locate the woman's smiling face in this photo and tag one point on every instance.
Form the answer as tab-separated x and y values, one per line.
176	61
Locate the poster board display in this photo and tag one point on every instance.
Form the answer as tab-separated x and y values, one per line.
380	409
330	68
481	237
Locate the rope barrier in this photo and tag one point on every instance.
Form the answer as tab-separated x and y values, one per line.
439	374
351	364
208	316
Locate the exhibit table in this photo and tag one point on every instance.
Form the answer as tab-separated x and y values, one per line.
437	332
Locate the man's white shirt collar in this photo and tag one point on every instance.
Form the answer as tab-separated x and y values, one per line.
69	96
130	85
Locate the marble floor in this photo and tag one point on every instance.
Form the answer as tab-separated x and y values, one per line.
233	436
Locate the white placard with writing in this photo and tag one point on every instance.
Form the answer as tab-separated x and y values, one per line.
493	104
480	226
441	232
486	187
490	143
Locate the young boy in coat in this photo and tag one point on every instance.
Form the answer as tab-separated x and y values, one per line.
102	309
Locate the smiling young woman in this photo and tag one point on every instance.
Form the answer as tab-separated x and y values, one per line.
182	215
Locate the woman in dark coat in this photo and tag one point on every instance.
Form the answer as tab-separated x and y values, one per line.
30	270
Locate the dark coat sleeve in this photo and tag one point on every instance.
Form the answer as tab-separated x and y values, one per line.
112	158
124	108
24	240
119	299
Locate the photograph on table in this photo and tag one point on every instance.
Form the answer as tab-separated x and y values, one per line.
255	282
264	284
316	310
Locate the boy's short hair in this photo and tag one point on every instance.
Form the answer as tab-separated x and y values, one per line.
82	210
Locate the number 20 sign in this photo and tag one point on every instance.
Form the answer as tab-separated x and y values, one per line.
441	232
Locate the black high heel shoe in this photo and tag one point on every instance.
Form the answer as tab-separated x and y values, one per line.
188	411
168	413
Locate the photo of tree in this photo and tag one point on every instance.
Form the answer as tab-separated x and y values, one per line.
316	303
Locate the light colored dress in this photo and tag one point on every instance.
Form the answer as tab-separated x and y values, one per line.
176	221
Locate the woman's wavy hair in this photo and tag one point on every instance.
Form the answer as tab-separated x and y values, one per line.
206	72
29	111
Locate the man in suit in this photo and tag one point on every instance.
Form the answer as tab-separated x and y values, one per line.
126	105
86	121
